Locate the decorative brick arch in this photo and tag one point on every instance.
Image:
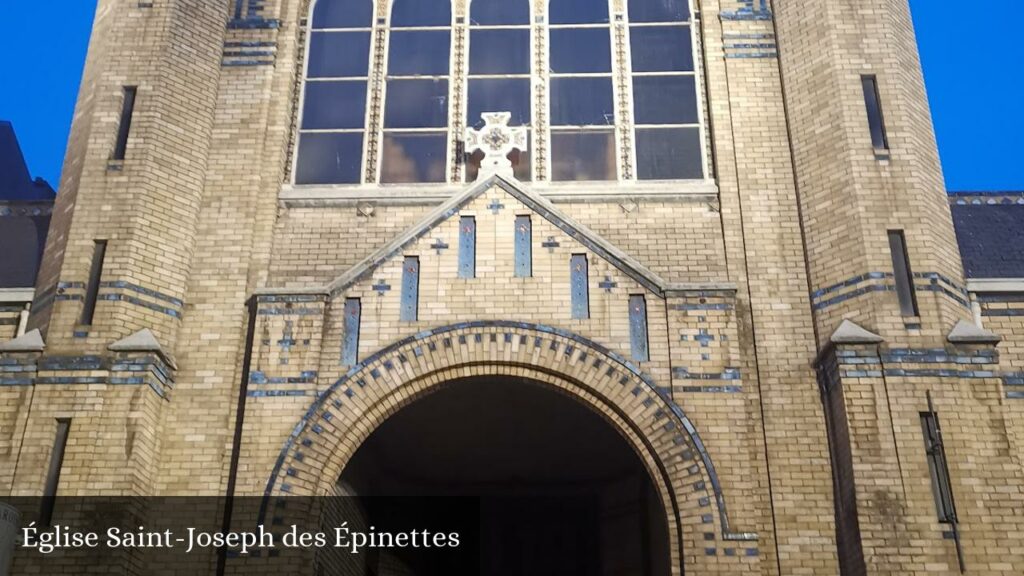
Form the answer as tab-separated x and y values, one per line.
664	439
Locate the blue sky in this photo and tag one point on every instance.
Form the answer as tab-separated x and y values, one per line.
973	61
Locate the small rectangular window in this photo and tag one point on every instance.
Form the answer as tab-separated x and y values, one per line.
350	341
578	155
60	443
125	126
580	285
902	273
942	489
873	103
467	247
92	289
638	328
410	289
524	247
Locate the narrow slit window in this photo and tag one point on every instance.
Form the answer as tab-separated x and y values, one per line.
938	468
902	273
467	247
410	289
60	443
580	285
92	289
876	121
524	247
350	342
638	328
125	126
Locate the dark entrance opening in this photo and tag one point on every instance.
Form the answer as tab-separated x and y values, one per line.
559	490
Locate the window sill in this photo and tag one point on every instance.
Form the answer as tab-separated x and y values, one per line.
299	195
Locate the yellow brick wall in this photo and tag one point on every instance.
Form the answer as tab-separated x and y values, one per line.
200	217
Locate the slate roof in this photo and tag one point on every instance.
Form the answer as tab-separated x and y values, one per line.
16	184
25	208
990	231
23	229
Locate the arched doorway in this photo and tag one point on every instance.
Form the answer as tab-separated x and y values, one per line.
358	402
559	490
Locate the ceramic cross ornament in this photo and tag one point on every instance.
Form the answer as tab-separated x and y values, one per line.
496	140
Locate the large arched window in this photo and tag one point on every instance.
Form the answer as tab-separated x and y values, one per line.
499	70
415	143
582	92
665	103
334	104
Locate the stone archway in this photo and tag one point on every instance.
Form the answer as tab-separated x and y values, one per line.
541	483
664	439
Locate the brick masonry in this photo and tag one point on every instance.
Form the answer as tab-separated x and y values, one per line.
744	277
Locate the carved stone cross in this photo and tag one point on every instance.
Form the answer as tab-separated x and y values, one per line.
496	140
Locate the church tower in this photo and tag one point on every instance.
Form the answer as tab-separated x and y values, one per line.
900	356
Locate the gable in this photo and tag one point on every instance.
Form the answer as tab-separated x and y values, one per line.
505	196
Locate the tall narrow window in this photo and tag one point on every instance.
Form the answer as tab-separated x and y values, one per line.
410	289
582	95
124	128
92	289
638	338
467	247
902	273
579	284
499	71
350	340
524	247
665	102
876	121
415	145
334	104
60	443
942	489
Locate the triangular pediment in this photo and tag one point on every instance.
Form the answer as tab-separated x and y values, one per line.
849	332
497	187
969	333
29	342
141	341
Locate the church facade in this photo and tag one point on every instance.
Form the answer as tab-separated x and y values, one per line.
719	226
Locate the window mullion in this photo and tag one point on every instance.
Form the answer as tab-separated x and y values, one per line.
375	109
458	87
622	70
541	87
